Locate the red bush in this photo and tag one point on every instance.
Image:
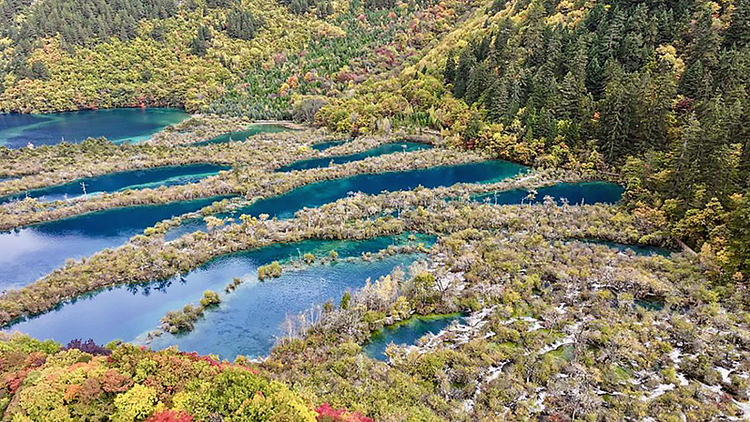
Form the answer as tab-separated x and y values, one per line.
170	416
328	414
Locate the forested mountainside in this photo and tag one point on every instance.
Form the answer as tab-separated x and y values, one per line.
244	58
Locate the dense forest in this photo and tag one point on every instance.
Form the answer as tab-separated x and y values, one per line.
656	88
655	91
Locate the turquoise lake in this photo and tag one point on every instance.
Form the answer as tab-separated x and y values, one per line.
245	323
317	194
118	125
575	193
31	252
341	159
242	135
137	179
406	333
314	195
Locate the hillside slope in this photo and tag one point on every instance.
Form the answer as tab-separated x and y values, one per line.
654	93
235	57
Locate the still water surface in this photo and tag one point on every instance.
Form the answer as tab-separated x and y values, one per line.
118	125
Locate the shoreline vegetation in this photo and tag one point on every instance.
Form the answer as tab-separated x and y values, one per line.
244	181
537	309
356	217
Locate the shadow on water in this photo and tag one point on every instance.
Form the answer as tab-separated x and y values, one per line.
406	333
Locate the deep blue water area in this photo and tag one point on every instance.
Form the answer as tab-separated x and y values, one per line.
118	125
314	195
574	193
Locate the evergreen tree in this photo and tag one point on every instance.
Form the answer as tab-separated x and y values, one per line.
572	93
200	42
241	24
479	81
616	112
39	70
738	33
466	63
449	74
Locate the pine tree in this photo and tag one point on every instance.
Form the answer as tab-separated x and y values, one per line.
692	79
39	70
466	63
479	81
241	24
199	44
738	33
449	74
572	92
615	120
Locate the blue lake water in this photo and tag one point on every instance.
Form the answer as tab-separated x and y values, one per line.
29	253
247	320
118	125
317	194
251	319
137	179
406	333
575	193
341	159
242	135
284	206
322	146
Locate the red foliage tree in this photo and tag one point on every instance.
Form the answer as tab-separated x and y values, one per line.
326	413
170	416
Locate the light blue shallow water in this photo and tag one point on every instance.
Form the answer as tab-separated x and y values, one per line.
137	179
341	159
118	125
29	253
406	333
245	323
